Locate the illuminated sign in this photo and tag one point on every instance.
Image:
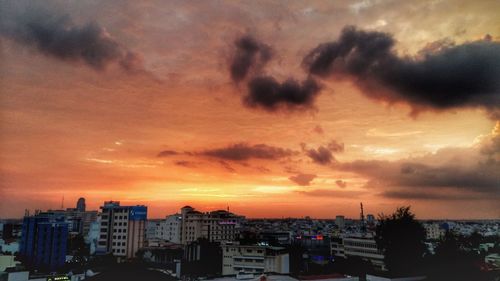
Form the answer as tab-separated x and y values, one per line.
227	222
58	278
137	213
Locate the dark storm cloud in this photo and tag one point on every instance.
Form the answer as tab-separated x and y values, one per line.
185	163
341	183
226	166
167	153
444	76
321	155
264	91
249	54
412	195
335	146
57	36
243	151
480	177
267	93
303	179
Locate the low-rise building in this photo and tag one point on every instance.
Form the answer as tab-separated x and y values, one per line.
253	259
363	247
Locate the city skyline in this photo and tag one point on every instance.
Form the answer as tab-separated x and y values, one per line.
271	109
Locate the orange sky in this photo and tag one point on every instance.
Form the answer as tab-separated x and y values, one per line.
72	129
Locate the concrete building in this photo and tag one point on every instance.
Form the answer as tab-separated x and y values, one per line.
170	228
7	261
363	247
152	227
122	229
253	259
44	239
214	226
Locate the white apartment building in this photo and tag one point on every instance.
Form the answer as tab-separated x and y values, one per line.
253	259
433	231
215	226
170	229
122	229
363	247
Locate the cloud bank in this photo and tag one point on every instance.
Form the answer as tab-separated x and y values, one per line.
443	76
57	36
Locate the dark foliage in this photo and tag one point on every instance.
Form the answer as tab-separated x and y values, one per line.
401	238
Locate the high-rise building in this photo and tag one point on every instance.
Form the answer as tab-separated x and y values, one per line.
80	205
44	239
122	229
214	226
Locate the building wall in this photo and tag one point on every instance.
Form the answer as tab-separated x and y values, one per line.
44	240
216	226
122	229
170	229
365	248
253	259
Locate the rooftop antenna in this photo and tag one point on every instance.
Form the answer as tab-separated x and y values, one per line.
62	203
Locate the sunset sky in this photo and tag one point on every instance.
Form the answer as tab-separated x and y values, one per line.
273	108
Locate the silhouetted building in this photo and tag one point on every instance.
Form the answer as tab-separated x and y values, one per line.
202	258
80	205
44	240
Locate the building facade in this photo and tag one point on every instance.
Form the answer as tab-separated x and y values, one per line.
44	240
122	229
253	259
215	226
170	228
363	247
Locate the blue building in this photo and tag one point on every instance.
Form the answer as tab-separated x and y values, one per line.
44	240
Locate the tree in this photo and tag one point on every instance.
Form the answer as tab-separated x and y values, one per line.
401	238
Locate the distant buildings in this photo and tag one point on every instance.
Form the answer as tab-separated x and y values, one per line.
253	259
44	240
340	222
433	231
80	205
122	229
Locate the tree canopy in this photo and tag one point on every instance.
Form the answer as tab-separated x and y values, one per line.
401	238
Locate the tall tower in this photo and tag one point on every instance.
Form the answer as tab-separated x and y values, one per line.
80	205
